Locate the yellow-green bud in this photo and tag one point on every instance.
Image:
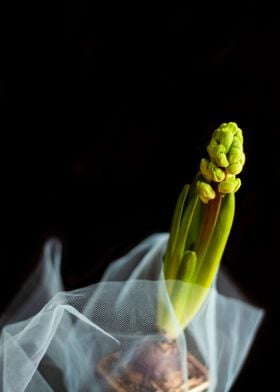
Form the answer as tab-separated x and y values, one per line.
211	148
234	168
206	192
211	171
217	153
234	155
229	185
217	174
239	135
204	169
220	156
225	139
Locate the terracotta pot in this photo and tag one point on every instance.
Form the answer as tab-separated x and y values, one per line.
125	379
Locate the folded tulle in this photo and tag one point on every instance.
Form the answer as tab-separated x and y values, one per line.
54	340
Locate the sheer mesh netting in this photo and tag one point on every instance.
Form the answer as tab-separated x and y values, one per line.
54	340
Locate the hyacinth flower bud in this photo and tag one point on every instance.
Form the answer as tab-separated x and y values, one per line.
206	192
211	171
201	226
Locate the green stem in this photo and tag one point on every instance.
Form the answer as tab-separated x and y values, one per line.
206	234
219	237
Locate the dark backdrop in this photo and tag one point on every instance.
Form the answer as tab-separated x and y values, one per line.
105	112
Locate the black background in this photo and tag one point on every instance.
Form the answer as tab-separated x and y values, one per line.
105	112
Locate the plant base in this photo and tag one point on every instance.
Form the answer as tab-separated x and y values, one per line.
124	379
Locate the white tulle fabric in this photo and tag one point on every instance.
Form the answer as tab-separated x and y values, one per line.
53	340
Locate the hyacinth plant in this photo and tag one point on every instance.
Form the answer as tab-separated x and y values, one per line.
199	232
201	226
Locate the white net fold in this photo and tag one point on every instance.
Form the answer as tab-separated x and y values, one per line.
55	340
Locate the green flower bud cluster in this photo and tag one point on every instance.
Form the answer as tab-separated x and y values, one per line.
226	160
